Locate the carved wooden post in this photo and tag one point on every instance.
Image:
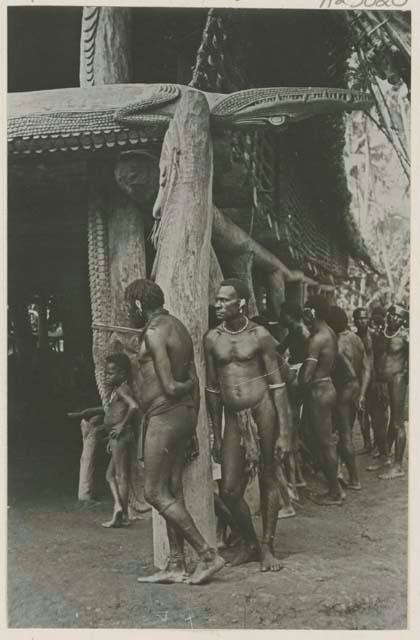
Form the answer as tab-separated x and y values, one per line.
105	46
182	270
215	276
116	234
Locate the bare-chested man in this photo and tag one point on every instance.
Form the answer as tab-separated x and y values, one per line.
320	395
351	384
244	380
120	419
391	368
296	344
169	392
366	412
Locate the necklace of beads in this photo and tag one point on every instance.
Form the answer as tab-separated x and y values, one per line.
238	331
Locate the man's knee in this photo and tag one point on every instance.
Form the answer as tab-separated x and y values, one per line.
231	492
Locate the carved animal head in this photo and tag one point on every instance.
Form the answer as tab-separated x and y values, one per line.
276	107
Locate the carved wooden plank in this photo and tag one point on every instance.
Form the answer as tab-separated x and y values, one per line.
182	270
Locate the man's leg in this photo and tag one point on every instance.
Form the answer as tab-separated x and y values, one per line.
166	438
398	390
232	489
345	415
87	460
271	478
380	404
322	402
117	517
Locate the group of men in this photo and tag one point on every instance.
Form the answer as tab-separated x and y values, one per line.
268	402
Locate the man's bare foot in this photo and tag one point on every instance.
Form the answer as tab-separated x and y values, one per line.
328	499
116	522
394	472
233	540
354	486
209	563
269	562
301	484
246	554
286	512
375	453
174	572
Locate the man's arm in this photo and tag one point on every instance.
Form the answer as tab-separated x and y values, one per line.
366	377
156	346
192	374
87	413
132	411
310	363
278	389
213	398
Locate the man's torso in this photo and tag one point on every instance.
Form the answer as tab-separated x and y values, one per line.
241	373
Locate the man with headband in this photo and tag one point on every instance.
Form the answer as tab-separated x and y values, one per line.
244	381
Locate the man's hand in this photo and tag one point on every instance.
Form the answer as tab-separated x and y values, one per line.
216	451
116	431
362	404
281	447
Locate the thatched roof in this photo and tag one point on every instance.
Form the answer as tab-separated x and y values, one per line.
242	49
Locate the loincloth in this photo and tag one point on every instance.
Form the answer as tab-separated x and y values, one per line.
192	450
250	440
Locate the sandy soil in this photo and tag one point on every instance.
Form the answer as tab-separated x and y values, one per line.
344	568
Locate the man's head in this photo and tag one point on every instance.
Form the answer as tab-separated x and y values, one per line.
316	308
377	318
231	299
337	319
291	314
396	317
117	369
361	319
143	296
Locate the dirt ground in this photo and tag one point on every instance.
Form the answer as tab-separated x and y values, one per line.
344	568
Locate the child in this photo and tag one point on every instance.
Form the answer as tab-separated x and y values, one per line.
120	417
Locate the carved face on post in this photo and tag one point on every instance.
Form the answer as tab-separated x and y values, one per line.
168	168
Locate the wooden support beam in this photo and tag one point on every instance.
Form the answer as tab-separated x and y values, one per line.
182	269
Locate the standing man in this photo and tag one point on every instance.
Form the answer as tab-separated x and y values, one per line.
366	415
244	380
391	367
320	394
296	344
351	384
169	392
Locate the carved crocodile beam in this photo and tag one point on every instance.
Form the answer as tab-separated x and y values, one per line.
128	114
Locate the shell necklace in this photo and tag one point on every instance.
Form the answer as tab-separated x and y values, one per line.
393	335
238	331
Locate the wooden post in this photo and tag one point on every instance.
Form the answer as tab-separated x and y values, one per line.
105	58
182	270
215	276
105	46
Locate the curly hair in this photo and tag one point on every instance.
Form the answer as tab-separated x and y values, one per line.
320	305
147	292
122	362
337	319
239	286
